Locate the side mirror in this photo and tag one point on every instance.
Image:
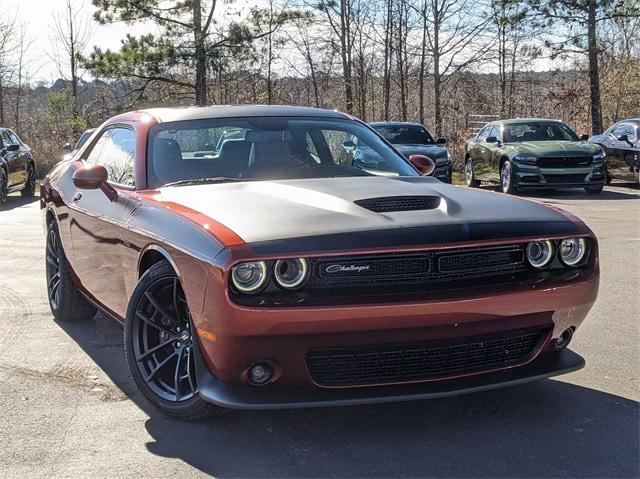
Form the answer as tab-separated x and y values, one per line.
492	139
348	145
12	148
584	137
423	164
441	141
92	178
624	138
67	146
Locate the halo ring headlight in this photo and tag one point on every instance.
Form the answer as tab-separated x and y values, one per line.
540	253
250	276
573	251
291	273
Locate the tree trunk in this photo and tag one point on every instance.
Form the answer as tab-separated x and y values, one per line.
423	62
200	56
594	74
437	79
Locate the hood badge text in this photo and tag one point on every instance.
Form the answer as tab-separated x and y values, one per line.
341	268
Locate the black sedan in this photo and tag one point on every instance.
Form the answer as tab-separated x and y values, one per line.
17	166
414	139
621	143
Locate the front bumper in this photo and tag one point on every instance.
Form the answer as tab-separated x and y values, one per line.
238	397
532	176
443	173
286	336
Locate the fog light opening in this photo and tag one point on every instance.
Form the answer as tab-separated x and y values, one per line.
260	373
563	341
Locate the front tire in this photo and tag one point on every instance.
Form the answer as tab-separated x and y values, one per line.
160	345
506	179
469	175
3	188
30	186
65	301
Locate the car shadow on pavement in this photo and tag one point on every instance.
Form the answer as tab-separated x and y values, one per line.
16	201
619	192
549	428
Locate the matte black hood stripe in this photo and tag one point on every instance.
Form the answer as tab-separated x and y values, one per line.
421	235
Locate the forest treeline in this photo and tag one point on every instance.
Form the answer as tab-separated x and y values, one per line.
440	62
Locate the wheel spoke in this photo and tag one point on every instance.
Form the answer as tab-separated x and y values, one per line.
176	376
52	260
160	365
191	386
153	324
54	278
157	305
154	349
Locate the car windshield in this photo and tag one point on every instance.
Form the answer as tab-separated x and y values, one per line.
405	134
538	131
264	148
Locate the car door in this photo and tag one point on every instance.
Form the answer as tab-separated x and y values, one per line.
96	225
491	150
476	152
11	159
618	151
22	157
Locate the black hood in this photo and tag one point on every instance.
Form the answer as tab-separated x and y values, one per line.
327	209
435	152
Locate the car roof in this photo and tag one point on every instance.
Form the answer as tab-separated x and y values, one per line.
238	111
395	123
629	120
510	121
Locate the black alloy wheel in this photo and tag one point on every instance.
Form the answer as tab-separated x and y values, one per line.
65	301
160	345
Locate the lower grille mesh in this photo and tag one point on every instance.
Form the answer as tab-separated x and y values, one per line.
417	362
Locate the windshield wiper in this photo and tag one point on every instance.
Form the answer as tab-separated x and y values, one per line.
202	181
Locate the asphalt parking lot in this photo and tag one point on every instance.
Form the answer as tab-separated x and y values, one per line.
69	408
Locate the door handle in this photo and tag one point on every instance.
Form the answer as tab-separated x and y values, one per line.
77	196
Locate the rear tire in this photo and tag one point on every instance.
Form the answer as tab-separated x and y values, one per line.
469	175
159	345
30	186
65	301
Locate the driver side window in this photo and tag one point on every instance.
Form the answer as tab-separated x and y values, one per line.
115	150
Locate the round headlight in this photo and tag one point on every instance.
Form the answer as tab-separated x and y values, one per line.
540	253
250	277
573	251
291	273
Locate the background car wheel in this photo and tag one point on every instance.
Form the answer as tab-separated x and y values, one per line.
506	179
30	187
160	345
594	190
3	188
65	301
468	174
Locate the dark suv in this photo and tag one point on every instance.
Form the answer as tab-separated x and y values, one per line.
414	139
17	166
533	153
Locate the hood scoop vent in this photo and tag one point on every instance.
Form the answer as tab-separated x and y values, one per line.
390	204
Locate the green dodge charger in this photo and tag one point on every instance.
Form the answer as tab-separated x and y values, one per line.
533	153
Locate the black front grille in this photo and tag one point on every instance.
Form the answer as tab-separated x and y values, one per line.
399	203
417	267
564	162
557	179
423	361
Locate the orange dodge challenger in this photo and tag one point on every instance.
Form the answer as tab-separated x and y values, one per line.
254	265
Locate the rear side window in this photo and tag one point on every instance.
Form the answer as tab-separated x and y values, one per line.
115	150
